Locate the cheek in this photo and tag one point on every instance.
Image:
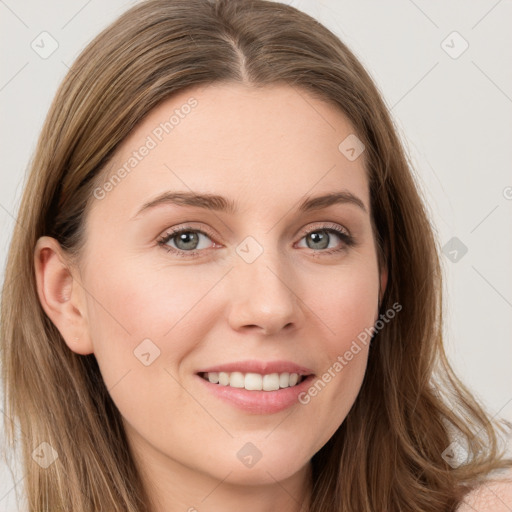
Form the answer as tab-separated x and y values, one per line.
345	303
143	323
131	304
346	309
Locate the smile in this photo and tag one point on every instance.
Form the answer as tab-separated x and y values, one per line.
254	381
270	398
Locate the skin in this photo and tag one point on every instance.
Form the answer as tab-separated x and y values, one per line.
266	149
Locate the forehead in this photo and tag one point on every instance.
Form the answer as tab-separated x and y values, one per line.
274	143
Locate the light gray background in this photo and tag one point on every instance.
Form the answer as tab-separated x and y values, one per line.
453	114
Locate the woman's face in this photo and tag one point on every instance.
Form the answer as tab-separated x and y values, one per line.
263	286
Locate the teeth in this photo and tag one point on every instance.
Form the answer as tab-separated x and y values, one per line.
236	380
254	381
271	382
213	377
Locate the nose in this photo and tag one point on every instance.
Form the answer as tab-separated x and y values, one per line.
263	297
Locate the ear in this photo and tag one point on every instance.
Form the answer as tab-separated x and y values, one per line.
61	294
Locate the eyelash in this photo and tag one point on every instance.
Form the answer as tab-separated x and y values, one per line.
348	240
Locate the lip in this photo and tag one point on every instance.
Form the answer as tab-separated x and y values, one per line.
258	402
262	367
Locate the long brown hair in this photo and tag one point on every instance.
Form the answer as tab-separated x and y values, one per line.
388	453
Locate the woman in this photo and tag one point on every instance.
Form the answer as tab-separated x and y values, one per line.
223	291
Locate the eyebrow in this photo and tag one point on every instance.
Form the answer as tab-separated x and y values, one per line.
222	204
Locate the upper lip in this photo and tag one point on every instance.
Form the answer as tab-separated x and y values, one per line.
262	367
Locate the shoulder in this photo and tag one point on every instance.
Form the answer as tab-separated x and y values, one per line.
492	496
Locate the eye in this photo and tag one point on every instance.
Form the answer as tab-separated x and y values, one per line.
187	241
184	240
321	237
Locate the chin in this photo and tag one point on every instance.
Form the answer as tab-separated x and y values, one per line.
260	474
270	463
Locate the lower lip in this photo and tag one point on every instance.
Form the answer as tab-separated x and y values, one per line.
259	402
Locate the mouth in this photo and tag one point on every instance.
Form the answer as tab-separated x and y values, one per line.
254	381
256	393
256	386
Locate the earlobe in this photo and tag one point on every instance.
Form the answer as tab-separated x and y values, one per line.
61	295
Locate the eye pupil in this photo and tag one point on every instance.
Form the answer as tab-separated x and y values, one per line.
182	237
320	237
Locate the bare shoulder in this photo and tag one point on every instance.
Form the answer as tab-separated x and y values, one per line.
493	496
